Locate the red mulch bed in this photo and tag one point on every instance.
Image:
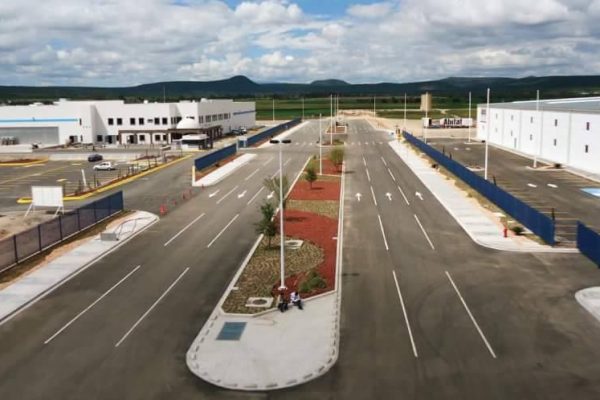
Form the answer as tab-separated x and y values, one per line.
328	167
321	190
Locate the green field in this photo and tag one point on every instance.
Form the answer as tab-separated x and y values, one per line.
389	107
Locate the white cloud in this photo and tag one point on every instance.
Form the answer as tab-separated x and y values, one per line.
375	10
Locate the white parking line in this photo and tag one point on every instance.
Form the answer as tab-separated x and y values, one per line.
392	175
403	195
268	161
373	193
364	161
552	185
223	230
91	305
471	316
424	233
227	194
286	162
412	341
383	159
383	233
183	230
255	196
151	307
368	175
252	174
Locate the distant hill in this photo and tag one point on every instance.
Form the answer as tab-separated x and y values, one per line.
241	86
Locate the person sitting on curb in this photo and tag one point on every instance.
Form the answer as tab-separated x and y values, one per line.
296	300
282	303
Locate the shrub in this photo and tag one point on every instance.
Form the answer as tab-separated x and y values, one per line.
313	281
517	229
310	175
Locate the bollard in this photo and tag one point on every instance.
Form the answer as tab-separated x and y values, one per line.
505	232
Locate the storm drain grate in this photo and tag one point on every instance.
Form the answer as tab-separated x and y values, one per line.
231	331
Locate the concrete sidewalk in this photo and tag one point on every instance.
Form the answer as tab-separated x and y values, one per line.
476	222
223	172
44	279
590	300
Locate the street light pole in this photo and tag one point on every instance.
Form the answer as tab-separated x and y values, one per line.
320	147
303	108
470	121
273	109
281	230
331	123
404	126
537	109
487	139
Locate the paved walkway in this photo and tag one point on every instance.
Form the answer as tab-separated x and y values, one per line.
475	221
223	172
43	280
590	300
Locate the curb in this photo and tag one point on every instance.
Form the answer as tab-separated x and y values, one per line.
27	200
239	165
541	249
74	273
23	164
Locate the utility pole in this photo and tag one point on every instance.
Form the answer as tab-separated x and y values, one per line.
331	123
470	120
320	147
487	139
537	109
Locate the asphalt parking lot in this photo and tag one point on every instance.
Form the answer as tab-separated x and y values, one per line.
16	181
548	190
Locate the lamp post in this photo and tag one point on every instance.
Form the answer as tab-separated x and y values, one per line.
281	231
331	123
470	121
487	138
404	126
537	112
320	147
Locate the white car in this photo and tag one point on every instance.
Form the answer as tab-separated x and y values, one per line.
104	166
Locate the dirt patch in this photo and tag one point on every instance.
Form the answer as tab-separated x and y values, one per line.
14	222
320	190
326	208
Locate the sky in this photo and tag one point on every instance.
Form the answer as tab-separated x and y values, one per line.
126	43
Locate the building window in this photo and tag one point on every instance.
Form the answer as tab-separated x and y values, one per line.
119	121
140	121
131	121
149	120
511	133
555	122
165	138
530	137
496	116
587	126
531	120
99	139
164	121
111	121
142	138
201	120
79	121
177	120
156	120
157	138
555	142
512	117
587	148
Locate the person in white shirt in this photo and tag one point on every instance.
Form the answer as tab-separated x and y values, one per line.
296	300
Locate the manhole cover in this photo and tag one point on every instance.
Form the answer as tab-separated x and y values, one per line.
259	302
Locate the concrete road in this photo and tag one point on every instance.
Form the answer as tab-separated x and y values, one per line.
134	324
545	190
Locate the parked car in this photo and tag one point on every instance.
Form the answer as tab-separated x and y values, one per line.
104	166
94	157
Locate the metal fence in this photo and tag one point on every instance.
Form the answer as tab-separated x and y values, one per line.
538	223
23	245
588	242
221	154
259	137
214	157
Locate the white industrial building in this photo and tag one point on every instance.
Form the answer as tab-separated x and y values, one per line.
565	131
117	122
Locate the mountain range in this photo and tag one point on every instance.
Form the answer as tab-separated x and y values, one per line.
241	86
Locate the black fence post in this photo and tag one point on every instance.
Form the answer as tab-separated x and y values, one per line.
60	230
95	216
15	248
110	204
39	236
78	221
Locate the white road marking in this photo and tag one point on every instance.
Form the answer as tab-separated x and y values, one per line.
91	305
151	307
183	230
358	196
223	230
412	341
389	196
532	185
403	195
419	195
286	162
368	175
373	193
383	159
552	185
213	194
255	196
268	161
392	175
252	174
242	194
364	161
471	316
424	233
227	194
383	233
270	195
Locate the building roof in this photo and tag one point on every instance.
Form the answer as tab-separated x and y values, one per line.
188	123
589	105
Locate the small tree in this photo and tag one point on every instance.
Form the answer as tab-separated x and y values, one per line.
273	186
336	156
267	225
310	175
